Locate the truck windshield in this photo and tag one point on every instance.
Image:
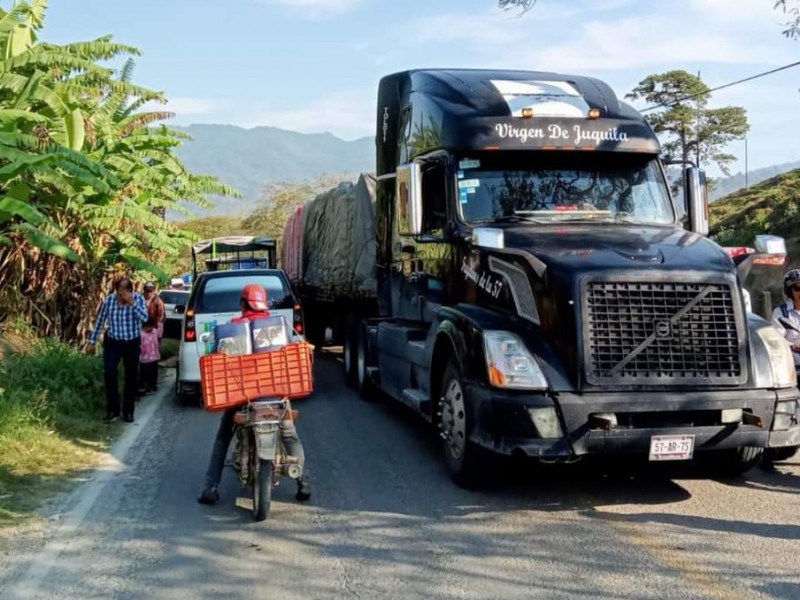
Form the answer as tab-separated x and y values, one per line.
546	187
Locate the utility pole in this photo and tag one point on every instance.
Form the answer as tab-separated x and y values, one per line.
746	170
698	124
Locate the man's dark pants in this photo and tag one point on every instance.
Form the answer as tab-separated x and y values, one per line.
115	351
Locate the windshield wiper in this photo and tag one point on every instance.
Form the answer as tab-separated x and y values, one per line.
516	219
594	217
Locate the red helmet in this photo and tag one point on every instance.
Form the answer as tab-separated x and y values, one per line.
255	296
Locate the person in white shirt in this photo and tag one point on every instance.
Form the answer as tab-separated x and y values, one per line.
786	317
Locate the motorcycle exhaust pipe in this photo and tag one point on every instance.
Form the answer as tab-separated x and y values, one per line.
294	471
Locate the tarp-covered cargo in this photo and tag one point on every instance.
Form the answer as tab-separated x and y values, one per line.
292	246
339	239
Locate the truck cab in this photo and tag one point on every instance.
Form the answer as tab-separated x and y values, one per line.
539	293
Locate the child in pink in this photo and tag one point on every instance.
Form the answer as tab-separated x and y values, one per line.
148	358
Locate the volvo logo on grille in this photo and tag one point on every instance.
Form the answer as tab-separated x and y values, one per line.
663	329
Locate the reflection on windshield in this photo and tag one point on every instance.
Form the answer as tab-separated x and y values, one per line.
606	193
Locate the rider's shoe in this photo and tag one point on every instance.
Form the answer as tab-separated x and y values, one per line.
209	495
303	490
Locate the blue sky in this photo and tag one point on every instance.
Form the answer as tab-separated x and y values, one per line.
313	65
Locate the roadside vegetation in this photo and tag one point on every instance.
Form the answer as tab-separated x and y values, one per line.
772	206
51	403
88	172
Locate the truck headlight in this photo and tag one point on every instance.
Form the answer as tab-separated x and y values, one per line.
780	357
509	363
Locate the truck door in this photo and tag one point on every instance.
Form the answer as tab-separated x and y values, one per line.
424	261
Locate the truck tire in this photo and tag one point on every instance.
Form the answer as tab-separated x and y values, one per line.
350	352
469	465
733	461
366	390
778	454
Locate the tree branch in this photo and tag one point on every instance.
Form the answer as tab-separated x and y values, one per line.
791	8
523	5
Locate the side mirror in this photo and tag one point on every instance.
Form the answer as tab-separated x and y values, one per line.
408	199
694	186
772	245
180	309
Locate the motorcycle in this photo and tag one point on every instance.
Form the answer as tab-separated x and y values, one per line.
259	457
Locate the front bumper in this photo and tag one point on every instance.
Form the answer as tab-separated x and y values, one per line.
502	422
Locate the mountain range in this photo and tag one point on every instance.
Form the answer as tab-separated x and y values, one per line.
251	159
728	185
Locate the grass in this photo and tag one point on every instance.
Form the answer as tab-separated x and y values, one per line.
169	348
770	207
51	432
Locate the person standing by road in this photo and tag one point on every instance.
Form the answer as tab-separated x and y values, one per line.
148	360
124	311
155	307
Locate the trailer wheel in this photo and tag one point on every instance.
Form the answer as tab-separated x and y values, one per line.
350	351
732	461
469	465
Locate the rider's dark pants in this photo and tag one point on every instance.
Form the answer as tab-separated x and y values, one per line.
289	437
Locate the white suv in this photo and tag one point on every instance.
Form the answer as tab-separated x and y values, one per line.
216	299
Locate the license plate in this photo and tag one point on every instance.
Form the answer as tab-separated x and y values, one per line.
671	447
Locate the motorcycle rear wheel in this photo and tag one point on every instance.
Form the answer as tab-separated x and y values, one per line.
262	488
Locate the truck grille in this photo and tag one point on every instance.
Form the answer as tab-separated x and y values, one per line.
671	333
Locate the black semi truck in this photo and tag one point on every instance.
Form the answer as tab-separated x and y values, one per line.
538	291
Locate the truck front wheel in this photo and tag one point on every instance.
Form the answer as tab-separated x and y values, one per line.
777	454
732	461
468	464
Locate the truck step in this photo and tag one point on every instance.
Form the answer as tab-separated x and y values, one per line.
417	352
416	399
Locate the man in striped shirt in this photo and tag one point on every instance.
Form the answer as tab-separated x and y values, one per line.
125	311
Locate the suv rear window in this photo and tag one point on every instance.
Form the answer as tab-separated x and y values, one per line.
173	297
223	294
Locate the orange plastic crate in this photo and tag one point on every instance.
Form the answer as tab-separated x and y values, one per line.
231	381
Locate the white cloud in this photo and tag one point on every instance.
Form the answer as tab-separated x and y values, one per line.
191	106
573	38
743	11
315	9
492	27
641	42
349	115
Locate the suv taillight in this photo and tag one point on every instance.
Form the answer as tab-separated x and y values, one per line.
189	332
298	319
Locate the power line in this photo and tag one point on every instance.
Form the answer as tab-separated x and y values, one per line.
722	87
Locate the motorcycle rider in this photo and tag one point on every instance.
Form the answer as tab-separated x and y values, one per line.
254	305
786	317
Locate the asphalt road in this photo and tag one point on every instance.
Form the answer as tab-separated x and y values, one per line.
386	522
